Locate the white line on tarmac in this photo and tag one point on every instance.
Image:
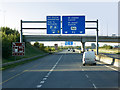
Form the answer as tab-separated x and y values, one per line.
108	66
42	81
94	85
45	78
82	70
51	70
86	75
39	86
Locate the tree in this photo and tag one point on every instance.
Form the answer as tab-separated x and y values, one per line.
36	44
8	36
41	46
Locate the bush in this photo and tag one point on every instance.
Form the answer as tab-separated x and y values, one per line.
107	47
41	46
36	44
8	36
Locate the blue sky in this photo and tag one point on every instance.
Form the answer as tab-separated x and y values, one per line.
106	12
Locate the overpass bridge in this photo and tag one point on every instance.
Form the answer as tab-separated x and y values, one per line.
111	39
83	39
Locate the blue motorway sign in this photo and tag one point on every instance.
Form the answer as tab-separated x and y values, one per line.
73	24
53	25
68	42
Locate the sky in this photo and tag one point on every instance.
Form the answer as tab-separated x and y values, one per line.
106	11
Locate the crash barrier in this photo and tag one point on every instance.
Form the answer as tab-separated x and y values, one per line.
24	59
108	60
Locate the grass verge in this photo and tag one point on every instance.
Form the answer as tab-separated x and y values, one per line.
110	51
20	63
30	51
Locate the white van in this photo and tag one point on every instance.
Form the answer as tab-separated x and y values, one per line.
89	58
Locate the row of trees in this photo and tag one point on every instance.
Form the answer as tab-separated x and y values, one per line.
107	46
43	48
8	36
12	35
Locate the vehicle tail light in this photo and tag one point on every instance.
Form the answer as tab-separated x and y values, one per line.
95	59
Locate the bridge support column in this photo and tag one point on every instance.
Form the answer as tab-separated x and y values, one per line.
83	47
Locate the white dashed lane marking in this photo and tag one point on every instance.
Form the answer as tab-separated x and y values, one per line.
42	81
45	78
94	85
39	86
86	75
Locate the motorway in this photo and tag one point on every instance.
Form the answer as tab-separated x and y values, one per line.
61	70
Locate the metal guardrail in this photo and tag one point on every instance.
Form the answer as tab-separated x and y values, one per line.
24	59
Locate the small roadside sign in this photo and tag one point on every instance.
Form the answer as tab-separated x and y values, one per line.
53	25
18	49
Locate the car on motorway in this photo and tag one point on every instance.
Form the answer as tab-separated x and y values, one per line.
73	50
89	58
68	49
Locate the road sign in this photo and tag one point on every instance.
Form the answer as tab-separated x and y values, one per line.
68	42
18	49
53	25
73	24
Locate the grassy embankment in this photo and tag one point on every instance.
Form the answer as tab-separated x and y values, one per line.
30	51
111	51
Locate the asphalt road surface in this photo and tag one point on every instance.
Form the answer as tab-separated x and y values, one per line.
60	70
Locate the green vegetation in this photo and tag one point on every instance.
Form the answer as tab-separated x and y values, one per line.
66	47
112	51
106	47
30	51
9	36
46	49
23	62
12	35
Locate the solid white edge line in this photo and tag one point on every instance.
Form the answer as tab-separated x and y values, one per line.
109	67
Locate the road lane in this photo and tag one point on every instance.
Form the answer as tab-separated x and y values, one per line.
67	74
33	73
61	70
